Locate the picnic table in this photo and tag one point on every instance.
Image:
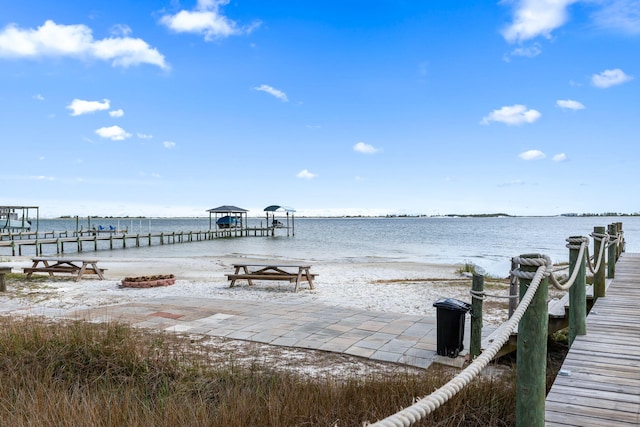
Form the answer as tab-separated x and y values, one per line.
77	267
293	273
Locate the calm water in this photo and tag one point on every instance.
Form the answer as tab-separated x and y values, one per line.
487	242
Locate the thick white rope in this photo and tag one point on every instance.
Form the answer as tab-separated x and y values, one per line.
481	295
580	243
428	404
601	238
615	241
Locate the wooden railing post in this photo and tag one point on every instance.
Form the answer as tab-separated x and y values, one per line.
477	287
513	289
577	292
599	284
532	353
612	251
621	244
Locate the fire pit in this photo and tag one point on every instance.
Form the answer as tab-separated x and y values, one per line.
148	281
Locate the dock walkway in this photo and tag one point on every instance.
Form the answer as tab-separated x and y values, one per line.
65	241
599	384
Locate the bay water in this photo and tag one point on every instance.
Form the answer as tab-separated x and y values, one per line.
489	243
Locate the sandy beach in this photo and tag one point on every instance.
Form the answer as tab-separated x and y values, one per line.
399	287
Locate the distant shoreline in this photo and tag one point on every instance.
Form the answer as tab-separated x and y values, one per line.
489	215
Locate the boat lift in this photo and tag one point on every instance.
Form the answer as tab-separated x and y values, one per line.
16	218
275	223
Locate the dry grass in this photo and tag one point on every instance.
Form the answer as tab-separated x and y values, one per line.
74	373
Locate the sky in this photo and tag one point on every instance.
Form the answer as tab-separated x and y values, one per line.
170	108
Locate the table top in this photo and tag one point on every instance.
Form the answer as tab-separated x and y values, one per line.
273	265
88	261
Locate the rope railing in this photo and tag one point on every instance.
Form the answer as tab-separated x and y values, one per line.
428	404
576	243
531	271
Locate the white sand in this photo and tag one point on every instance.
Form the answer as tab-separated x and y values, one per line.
409	288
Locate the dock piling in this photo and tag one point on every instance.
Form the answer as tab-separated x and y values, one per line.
532	353
577	292
477	291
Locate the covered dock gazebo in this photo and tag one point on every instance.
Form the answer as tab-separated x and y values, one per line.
230	217
274	223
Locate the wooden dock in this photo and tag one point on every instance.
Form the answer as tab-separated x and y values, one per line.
62	242
599	383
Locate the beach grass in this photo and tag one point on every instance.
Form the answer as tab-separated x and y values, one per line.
77	373
468	267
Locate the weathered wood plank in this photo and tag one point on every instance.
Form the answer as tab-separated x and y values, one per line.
603	385
270	276
561	418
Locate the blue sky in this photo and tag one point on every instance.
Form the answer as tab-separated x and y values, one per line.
169	108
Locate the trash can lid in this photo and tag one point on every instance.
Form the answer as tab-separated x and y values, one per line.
452	304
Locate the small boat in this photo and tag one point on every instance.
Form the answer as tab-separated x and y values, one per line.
227	221
9	220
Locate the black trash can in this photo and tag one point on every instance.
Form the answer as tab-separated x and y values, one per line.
450	325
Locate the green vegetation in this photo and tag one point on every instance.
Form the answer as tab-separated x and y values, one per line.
467	267
75	373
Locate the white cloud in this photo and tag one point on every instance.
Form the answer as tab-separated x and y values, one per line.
127	51
154	175
361	147
533	18
76	41
169	144
527	52
305	174
114	133
512	183
120	30
116	113
620	15
38	97
272	91
79	106
609	78
569	104
207	20
144	136
512	115
532	155
560	157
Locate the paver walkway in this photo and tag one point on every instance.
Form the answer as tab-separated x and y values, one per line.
389	337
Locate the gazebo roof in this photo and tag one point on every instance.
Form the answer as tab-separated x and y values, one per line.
274	208
227	209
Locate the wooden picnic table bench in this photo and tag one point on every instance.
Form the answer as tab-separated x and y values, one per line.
293	273
77	267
